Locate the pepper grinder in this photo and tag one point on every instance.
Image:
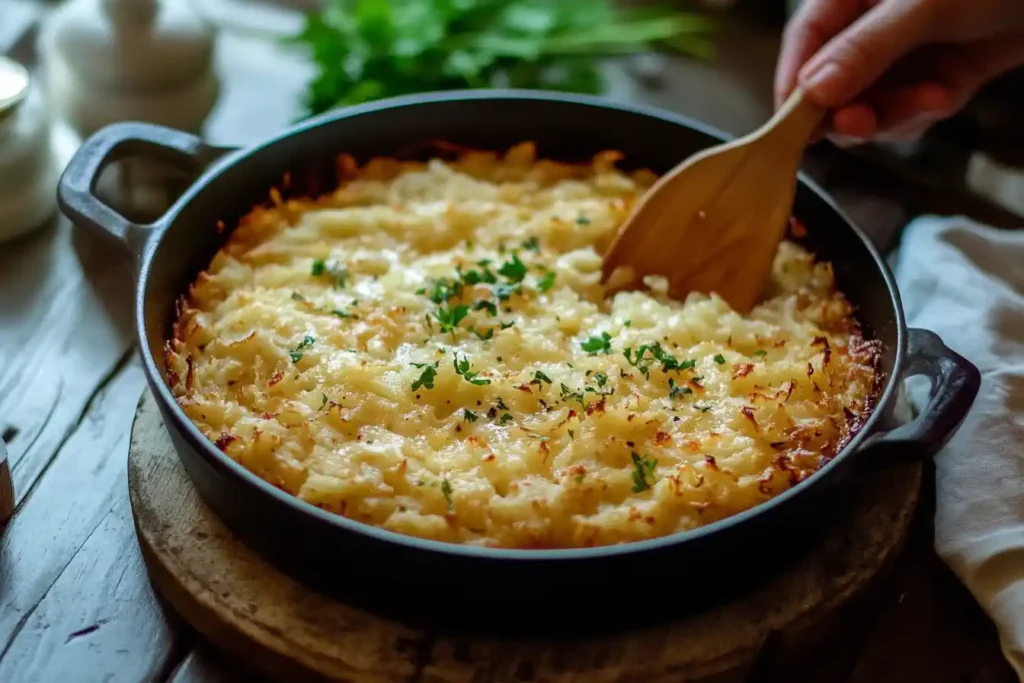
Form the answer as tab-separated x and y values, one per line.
143	60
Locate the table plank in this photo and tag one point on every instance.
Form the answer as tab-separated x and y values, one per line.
100	616
87	478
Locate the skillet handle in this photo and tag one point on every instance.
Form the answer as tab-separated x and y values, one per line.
955	382
75	192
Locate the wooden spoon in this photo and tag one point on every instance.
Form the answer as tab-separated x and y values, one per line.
714	222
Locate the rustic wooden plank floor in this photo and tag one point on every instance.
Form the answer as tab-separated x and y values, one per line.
75	604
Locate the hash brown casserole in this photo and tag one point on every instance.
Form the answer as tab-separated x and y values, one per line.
428	349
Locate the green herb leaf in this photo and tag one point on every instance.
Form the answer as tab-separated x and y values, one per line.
462	368
297	297
539	378
323	402
532	244
427	377
505	419
599	344
582	220
476	277
296	353
470	415
446	490
319	265
568	394
341	314
546	282
643	474
677	391
483	336
505	292
364	50
489	306
510	323
441	290
720	359
449	318
760	353
514	271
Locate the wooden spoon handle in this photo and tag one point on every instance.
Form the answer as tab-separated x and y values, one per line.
795	121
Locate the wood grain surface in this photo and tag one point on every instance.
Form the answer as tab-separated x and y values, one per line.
75	603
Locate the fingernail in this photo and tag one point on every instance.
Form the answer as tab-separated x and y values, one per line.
825	83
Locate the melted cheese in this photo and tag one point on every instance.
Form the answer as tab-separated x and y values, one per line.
428	349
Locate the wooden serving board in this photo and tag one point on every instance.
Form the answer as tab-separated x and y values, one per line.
284	630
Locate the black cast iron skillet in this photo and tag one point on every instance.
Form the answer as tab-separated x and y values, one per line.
476	587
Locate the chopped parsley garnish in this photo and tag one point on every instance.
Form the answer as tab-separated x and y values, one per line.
514	270
582	220
333	270
638	361
489	306
446	490
675	390
470	415
426	378
643	475
540	378
505	419
296	353
760	353
510	323
449	318
297	297
505	292
462	368
627	323
600	344
532	244
601	379
483	336
579	477
546	282
668	362
341	314
441	290
323	402
720	359
570	395
476	277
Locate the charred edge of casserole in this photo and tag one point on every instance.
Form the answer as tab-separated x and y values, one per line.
872	349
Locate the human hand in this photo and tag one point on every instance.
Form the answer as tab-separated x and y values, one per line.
888	69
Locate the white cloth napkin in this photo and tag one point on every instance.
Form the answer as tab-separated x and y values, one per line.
965	282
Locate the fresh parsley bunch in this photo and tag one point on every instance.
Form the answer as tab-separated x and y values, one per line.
369	49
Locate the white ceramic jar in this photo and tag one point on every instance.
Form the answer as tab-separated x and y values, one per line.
28	170
114	60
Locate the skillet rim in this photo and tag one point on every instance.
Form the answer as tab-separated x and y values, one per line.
241	476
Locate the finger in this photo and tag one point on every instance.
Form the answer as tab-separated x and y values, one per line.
911	105
814	24
856	121
964	69
857	57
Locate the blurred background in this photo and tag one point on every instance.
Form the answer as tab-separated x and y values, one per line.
241	70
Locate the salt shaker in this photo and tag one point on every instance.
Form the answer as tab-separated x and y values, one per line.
29	170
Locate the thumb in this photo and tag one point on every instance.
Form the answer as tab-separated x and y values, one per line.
856	58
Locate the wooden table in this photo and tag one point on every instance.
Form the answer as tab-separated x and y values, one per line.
75	603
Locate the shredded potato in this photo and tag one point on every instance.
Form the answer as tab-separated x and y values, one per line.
428	349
